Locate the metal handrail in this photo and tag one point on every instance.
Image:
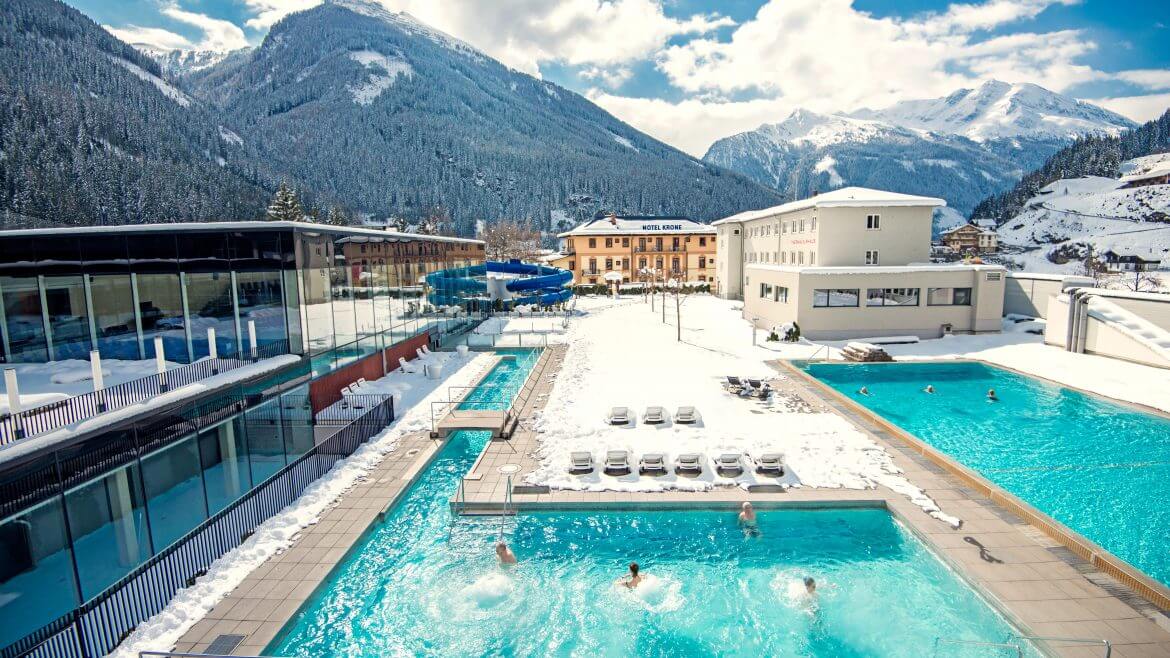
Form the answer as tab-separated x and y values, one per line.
175	654
1045	638
977	643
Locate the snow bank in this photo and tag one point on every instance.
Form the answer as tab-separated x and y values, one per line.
623	355
272	537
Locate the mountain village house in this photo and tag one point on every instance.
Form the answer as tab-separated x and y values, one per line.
1159	175
853	263
1130	262
671	247
971	238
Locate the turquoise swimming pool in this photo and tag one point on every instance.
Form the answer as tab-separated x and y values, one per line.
426	582
1099	467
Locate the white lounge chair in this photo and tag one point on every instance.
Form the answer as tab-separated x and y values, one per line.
689	462
617	461
581	462
654	416
360	382
729	462
419	353
734	385
686	415
406	367
652	462
426	349
770	463
618	416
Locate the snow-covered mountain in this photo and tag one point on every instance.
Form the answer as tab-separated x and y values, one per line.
963	147
1056	229
175	63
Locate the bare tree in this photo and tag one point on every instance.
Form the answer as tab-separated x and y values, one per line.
1141	282
508	240
681	292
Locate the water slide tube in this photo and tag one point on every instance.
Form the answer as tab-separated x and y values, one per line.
533	284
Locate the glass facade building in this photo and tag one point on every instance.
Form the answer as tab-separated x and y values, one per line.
76	518
330	292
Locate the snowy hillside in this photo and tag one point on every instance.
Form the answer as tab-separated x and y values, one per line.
962	147
1070	215
175	63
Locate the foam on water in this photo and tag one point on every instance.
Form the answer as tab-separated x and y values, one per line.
654	594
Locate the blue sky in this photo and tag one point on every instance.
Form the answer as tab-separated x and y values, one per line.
690	71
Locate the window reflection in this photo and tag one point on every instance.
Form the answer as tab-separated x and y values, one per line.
24	322
36	570
174	491
160	306
108	524
265	440
113	316
223	453
209	304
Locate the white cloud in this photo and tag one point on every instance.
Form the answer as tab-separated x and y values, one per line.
1152	79
153	37
1138	108
610	77
217	34
524	33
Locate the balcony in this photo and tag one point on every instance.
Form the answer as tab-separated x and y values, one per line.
666	248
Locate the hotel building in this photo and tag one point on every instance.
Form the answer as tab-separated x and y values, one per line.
852	263
674	247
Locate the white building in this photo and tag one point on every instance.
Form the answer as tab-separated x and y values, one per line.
852	263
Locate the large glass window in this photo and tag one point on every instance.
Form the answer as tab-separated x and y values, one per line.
891	297
24	322
318	306
209	305
297	419
68	317
160	307
108	524
174	491
223	453
265	440
36	570
344	322
834	297
113	316
948	297
259	295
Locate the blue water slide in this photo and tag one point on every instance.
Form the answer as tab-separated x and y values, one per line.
538	284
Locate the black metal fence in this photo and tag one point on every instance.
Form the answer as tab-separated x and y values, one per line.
100	624
55	415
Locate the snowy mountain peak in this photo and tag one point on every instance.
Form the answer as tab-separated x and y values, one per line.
808	127
178	62
407	23
1002	110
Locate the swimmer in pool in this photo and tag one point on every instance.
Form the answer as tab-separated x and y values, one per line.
929	388
747	515
810	585
634	579
505	554
864	390
991	397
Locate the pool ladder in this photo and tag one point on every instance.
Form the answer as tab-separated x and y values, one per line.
1013	643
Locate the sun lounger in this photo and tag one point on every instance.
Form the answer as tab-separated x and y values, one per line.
733	384
654	416
652	462
686	415
419	353
770	463
617	461
618	416
689	462
406	367
729	462
581	462
360	382
759	388
426	349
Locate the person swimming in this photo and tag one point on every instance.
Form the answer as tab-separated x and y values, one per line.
929	388
747	515
810	585
864	390
505	554
991	396
634	578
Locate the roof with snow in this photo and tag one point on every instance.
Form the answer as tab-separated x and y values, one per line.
969	228
637	225
1160	169
846	197
357	233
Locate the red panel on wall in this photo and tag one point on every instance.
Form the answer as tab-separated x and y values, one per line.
325	391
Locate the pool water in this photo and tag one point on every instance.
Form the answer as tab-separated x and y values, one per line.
426	582
497	389
1101	468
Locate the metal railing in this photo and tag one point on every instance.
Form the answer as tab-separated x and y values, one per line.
1014	648
55	415
101	623
174	654
526	389
1105	644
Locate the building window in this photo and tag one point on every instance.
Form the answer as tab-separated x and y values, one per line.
781	294
592	264
835	297
871	257
948	297
572	265
702	241
642	263
674	265
800	258
812	258
891	297
802	226
608	264
592	243
783	257
873	222
625	242
702	262
608	243
783	227
765	290
813	227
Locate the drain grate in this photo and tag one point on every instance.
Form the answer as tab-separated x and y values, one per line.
224	645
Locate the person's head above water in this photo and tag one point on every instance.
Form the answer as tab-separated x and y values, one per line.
747	506
809	583
633	568
501	548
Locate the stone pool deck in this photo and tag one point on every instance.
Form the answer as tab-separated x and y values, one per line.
1042	587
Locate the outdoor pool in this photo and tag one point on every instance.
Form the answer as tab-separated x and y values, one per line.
1101	468
427	583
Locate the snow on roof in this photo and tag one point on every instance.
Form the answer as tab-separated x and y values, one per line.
638	226
875	269
846	197
980	229
392	236
1160	169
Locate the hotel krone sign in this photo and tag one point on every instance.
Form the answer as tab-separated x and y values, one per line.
663	227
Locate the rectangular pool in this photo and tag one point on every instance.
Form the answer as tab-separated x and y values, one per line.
1099	467
427	583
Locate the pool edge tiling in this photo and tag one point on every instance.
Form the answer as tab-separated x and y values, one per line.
1148	587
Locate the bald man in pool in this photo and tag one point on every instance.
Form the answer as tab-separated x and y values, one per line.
505	554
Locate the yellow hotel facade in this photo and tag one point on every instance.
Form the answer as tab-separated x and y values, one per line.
673	247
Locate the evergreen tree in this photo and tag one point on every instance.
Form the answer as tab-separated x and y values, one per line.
337	217
285	206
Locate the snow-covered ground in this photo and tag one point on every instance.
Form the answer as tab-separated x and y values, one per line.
621	354
42	383
277	533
